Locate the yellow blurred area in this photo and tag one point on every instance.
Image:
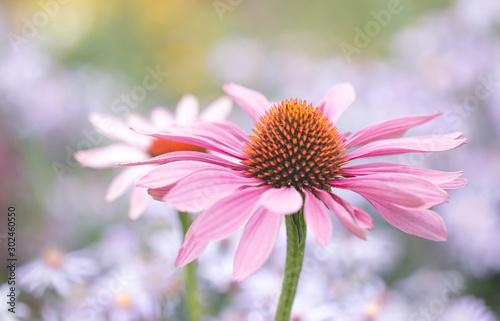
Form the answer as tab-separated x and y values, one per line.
125	37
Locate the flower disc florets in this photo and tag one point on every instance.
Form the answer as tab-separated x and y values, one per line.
295	145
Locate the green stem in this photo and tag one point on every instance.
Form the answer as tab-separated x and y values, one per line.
295	245
192	305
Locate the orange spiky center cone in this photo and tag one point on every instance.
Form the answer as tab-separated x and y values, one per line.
163	146
295	145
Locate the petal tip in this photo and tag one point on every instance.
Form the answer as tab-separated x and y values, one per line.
229	87
237	277
323	242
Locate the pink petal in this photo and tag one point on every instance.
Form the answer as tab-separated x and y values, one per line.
188	156
256	244
456	183
284	200
139	201
114	128
337	100
234	130
162	119
187	110
407	145
362	218
138	121
317	218
437	177
197	141
401	189
190	251
342	213
202	188
110	156
254	103
159	193
124	180
211	131
345	135
192	246
424	223
166	174
218	110
393	128
228	214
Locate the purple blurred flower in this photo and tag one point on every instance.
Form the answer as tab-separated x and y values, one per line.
21	310
474	221
374	301
119	295
468	309
56	270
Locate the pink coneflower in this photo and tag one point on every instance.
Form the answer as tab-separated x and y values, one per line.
292	162
136	147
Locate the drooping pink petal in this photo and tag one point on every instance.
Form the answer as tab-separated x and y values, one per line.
192	246
124	180
456	183
424	223
424	144
393	128
197	141
437	177
110	156
256	244
200	189
139	201
342	213
162	119
401	189
217	111
337	100
114	128
172	172
228	214
317	218
159	193
187	110
362	218
187	156
190	251
254	103
285	200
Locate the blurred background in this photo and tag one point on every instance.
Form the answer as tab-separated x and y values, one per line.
81	258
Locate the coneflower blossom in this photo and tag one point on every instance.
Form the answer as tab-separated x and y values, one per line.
136	147
291	163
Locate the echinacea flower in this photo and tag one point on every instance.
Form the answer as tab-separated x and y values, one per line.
135	147
291	163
